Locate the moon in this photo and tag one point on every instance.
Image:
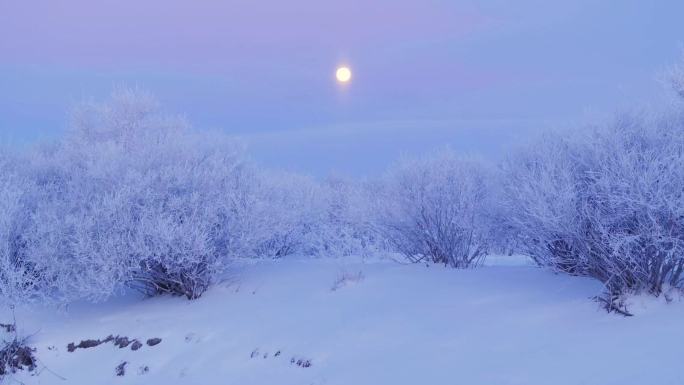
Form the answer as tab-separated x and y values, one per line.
343	74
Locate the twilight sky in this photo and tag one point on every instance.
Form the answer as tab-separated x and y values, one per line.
475	75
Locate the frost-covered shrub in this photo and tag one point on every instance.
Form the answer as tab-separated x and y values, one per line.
20	278
348	224
272	213
166	183
280	213
541	190
607	204
56	232
436	209
289	211
132	196
635	205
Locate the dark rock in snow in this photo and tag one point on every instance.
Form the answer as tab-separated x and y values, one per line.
121	342
85	344
120	369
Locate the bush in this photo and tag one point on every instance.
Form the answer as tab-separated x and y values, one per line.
608	204
20	277
286	212
166	185
347	225
131	196
283	214
436	209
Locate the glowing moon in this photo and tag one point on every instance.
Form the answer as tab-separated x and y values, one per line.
343	74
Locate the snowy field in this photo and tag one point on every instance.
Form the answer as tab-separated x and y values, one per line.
342	321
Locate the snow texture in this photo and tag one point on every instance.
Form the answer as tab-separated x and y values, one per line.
280	322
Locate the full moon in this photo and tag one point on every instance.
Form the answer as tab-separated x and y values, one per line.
343	74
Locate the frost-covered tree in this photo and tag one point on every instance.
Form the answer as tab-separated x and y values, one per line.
282	213
435	209
20	281
635	204
541	195
171	179
347	224
606	203
130	195
285	211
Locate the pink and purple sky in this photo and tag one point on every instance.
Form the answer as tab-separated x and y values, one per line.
474	75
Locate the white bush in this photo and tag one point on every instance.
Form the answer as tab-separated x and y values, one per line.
286	209
635	203
348	225
131	195
608	204
281	214
436	209
20	281
541	195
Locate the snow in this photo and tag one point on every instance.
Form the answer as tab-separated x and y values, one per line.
505	323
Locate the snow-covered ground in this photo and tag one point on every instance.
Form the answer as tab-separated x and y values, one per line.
367	323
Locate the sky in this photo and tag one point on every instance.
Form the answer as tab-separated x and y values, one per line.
477	76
